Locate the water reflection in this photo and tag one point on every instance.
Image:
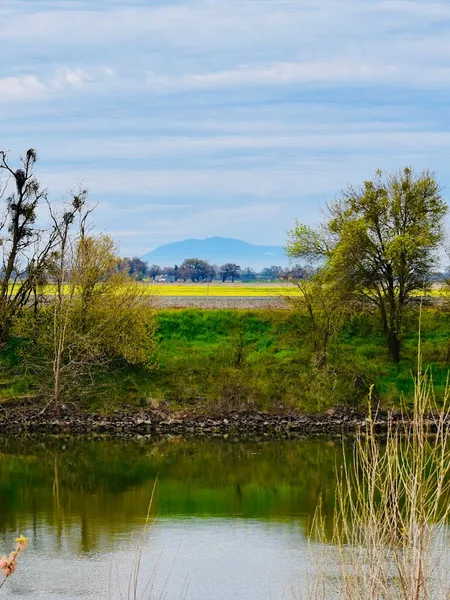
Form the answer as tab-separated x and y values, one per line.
223	507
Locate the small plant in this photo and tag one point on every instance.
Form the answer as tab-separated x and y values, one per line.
8	564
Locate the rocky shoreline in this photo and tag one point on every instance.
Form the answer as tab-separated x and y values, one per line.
157	423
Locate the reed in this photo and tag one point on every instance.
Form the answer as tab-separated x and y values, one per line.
387	537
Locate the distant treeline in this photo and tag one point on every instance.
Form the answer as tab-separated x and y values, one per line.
198	270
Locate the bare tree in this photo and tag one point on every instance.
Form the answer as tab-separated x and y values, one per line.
24	247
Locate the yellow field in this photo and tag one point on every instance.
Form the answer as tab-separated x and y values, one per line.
220	289
261	290
203	289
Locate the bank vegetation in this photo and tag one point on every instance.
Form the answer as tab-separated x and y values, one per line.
98	341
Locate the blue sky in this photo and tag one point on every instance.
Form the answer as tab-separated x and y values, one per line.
222	117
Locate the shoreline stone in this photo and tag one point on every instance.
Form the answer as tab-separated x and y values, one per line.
156	423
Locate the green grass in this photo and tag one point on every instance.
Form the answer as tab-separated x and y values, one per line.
218	360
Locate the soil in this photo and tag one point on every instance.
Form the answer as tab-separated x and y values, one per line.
221	302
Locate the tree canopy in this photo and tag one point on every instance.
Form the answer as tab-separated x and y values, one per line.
379	242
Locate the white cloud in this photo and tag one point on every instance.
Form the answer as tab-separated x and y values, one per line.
30	87
71	77
17	88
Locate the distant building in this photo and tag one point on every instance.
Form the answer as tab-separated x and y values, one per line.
165	279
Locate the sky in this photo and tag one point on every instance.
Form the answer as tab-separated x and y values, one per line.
197	118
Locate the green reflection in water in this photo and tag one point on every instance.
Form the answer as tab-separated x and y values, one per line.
101	489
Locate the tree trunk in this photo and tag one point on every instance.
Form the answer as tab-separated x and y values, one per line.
394	346
390	330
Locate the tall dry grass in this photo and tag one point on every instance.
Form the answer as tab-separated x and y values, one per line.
387	539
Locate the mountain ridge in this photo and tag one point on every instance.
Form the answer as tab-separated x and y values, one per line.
218	250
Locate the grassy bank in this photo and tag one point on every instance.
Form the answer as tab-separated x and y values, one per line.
220	360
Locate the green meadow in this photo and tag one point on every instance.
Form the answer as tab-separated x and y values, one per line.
222	360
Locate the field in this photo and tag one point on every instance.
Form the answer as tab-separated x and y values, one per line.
255	290
263	290
227	290
230	290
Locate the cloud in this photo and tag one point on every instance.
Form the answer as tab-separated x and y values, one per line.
186	116
29	87
18	88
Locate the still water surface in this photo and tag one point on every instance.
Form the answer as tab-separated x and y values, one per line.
231	518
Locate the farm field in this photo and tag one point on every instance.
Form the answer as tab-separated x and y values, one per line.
263	290
277	291
236	290
266	290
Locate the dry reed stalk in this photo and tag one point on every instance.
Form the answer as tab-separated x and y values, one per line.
392	506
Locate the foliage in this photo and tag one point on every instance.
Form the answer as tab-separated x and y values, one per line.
379	243
100	322
136	267
326	310
153	271
196	269
214	359
231	271
273	272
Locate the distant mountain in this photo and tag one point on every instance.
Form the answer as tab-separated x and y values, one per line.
218	251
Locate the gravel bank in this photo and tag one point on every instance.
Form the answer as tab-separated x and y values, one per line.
157	423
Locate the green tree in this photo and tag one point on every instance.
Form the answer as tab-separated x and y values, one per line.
248	274
379	243
230	270
273	272
324	310
96	321
153	271
195	269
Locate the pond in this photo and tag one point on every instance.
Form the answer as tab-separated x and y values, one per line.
229	520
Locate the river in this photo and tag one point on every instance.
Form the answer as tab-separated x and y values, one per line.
229	520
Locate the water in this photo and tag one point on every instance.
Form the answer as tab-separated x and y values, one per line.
231	518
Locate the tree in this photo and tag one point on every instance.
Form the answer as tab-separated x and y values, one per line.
194	269
273	272
230	270
325	308
153	271
296	272
379	243
248	274
138	268
211	272
24	248
96	319
134	266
